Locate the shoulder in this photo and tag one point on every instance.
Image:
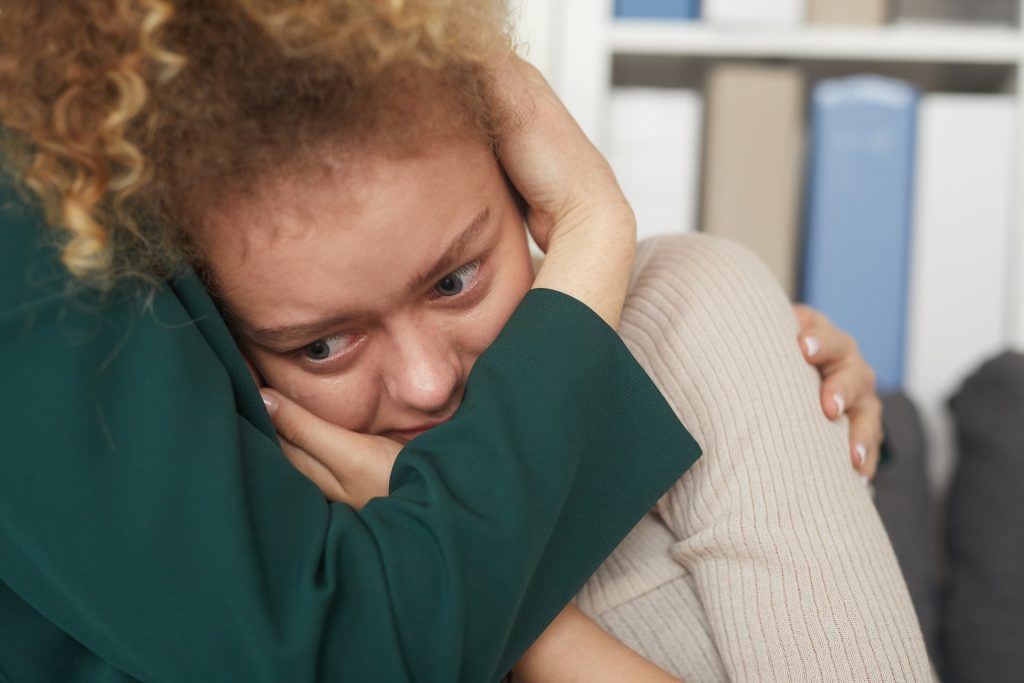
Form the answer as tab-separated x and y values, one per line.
705	266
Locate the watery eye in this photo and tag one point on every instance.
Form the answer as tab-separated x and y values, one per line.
325	348
453	283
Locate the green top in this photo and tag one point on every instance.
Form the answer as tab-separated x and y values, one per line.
151	528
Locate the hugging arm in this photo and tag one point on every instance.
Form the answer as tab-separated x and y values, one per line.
152	529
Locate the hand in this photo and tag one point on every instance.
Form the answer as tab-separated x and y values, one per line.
347	466
847	385
575	210
558	171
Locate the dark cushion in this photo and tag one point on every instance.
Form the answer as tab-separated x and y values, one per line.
906	508
983	621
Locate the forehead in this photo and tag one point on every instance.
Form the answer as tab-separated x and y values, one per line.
348	238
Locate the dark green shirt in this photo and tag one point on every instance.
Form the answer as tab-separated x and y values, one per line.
151	528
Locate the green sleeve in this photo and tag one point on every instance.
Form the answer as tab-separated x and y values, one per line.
151	528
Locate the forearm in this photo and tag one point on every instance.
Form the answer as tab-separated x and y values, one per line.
574	648
592	262
251	544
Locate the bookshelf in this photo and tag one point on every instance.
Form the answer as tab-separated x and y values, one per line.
928	44
588	51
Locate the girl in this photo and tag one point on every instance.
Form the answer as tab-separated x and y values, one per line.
288	117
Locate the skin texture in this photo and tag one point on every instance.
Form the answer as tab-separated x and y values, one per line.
347	245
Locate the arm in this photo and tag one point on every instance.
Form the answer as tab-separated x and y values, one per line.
147	513
574	648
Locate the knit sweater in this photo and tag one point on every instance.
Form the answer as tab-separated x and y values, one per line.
767	561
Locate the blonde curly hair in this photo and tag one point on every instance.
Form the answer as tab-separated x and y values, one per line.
123	115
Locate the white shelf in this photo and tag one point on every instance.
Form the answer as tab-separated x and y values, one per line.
581	54
919	44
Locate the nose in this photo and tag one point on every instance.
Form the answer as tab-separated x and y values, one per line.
424	374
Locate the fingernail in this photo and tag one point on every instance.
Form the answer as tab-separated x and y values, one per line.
813	346
840	403
862	454
270	402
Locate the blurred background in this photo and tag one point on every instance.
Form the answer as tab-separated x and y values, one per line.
868	151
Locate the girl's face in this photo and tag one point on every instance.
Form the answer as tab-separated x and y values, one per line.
367	293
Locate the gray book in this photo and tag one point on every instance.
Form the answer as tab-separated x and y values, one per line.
961	11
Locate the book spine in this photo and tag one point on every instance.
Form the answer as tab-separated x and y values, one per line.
754	161
859	214
958	11
771	12
862	12
959	269
657	9
654	150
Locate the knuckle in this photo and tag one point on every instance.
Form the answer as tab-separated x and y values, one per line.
805	317
872	378
850	344
298	434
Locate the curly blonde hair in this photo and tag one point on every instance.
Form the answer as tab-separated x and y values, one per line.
121	115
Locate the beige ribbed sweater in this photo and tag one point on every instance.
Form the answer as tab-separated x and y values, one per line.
767	561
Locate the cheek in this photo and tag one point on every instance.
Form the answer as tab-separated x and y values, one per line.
509	290
346	401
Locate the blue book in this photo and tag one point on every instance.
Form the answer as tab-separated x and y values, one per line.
658	9
859	202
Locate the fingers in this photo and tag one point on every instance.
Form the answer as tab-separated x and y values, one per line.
847	379
306	431
849	389
823	343
866	435
347	466
301	433
845	385
316	472
805	316
848	385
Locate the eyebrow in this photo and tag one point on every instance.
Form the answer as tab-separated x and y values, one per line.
452	255
285	336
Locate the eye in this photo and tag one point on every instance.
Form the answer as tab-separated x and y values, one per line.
326	348
455	282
